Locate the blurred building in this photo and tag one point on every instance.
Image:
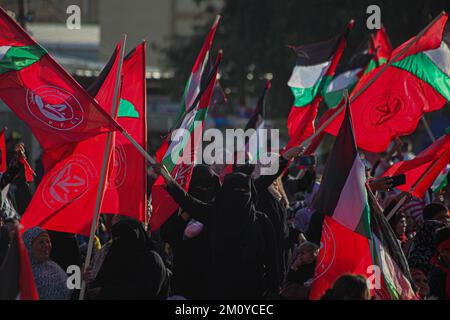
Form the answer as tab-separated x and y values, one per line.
84	52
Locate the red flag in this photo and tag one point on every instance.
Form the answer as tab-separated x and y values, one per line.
342	251
300	123
381	46
56	108
2	152
66	197
126	190
416	83
16	276
29	172
423	170
318	139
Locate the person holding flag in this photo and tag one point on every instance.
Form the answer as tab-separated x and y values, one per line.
243	244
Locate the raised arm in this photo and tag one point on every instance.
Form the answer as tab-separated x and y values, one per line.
264	181
197	209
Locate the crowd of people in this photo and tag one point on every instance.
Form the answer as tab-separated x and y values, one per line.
246	237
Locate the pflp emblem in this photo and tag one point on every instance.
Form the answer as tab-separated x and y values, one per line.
55	107
327	251
71	181
118	167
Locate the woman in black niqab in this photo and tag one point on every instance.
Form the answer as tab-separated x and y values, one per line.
189	239
132	269
243	250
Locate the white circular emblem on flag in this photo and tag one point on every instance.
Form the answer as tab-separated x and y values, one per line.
55	107
118	167
327	251
68	183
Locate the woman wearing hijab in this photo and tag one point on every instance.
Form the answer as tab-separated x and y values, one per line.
132	269
435	216
50	279
189	239
274	207
243	247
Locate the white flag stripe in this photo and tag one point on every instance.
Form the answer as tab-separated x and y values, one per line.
353	197
440	57
307	76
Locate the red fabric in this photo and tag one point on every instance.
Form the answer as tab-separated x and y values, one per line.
163	206
390	107
434	159
318	139
205	47
431	39
126	191
2	152
381	44
56	108
162	151
300	122
342	251
393	105
29	172
65	198
27	287
227	170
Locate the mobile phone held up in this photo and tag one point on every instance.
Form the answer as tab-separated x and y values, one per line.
398	180
307	160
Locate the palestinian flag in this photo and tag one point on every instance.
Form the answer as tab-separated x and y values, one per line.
2	152
379	51
417	82
255	145
66	197
314	68
347	75
342	202
394	282
192	88
181	154
128	168
423	170
56	108
16	276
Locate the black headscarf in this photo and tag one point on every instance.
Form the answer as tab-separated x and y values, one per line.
204	183
132	269
235	209
129	240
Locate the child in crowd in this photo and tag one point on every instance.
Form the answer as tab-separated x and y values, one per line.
301	271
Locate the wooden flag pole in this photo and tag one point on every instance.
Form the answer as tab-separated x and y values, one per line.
102	180
372	80
403	199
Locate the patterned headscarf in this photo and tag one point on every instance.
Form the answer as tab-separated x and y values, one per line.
423	248
50	279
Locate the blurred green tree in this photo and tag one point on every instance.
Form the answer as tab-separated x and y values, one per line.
254	35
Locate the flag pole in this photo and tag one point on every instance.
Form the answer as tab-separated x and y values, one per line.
427	128
101	186
403	199
372	80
